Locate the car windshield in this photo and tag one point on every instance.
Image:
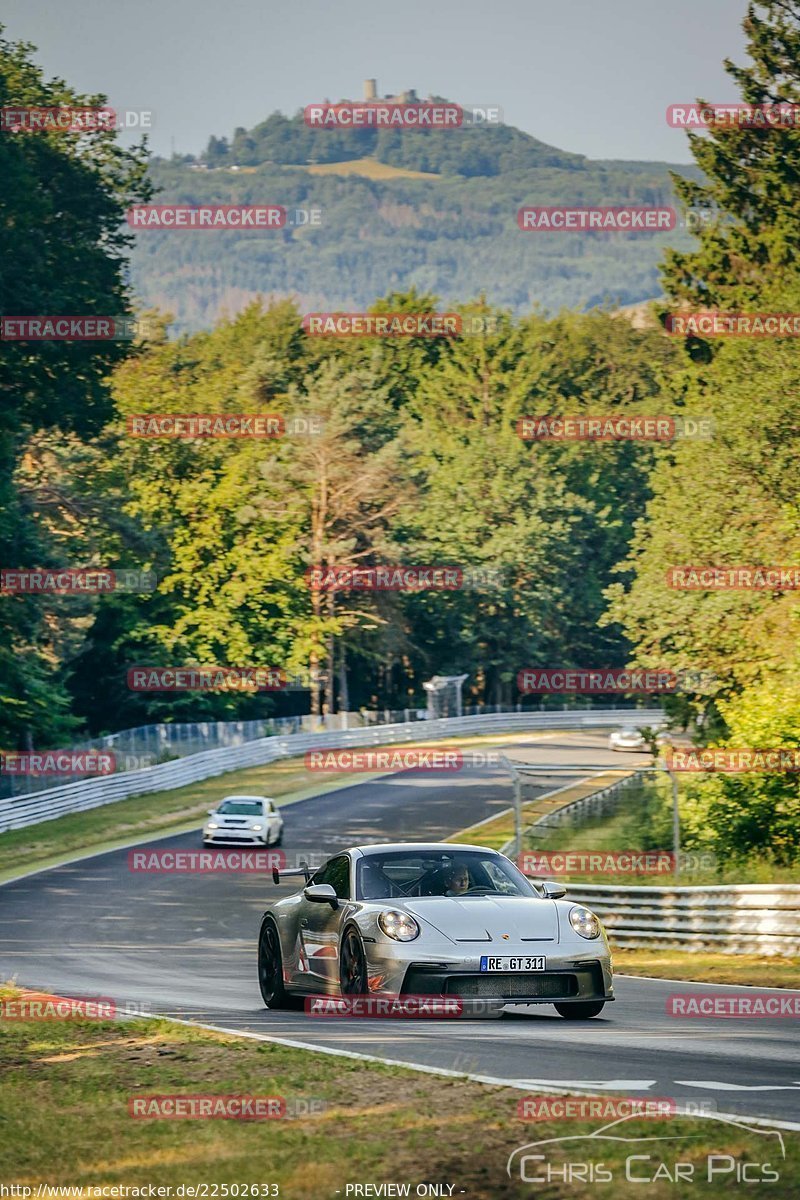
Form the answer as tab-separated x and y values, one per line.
241	808
418	873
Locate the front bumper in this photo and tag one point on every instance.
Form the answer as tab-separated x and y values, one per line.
581	981
235	837
580	973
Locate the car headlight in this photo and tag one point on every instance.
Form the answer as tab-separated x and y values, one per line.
399	926
258	826
212	825
584	922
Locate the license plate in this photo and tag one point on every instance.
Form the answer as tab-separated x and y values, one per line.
522	963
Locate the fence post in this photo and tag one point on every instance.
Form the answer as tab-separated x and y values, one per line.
676	826
517	817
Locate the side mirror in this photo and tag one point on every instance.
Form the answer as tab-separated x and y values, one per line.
212	812
553	891
321	893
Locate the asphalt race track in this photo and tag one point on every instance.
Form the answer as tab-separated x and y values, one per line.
184	944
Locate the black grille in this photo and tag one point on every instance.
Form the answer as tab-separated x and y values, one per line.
540	985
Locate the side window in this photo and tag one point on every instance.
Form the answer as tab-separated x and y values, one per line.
269	807
337	874
340	877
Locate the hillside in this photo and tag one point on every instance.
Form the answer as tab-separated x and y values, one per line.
435	210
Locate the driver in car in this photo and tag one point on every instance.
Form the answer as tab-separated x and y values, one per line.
456	881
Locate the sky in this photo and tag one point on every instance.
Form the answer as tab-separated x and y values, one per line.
589	76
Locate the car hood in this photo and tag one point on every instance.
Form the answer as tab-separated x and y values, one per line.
484	919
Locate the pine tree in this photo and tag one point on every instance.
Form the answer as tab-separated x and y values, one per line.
749	205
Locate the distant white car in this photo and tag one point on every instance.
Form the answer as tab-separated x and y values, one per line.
627	739
253	820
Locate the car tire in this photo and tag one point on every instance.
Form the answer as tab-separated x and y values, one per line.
581	1010
279	839
352	964
270	969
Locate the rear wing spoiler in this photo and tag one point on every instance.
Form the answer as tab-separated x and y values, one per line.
304	869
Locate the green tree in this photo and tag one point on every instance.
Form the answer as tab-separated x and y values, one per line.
739	815
749	192
62	251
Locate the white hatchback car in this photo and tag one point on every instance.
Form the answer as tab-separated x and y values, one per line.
253	820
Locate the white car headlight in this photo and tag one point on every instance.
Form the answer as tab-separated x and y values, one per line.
399	926
584	922
212	825
257	826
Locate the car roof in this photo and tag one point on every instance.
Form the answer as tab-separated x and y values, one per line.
449	847
238	797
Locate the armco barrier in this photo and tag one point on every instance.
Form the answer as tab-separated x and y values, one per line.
22	811
730	919
751	918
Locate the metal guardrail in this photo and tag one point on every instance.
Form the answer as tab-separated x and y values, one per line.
728	918
754	918
22	811
148	745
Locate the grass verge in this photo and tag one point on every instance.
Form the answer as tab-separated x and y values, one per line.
747	970
64	1113
500	830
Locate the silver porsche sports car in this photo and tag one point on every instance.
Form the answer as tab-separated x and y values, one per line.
432	919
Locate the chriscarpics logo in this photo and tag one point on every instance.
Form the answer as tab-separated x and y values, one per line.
720	1150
